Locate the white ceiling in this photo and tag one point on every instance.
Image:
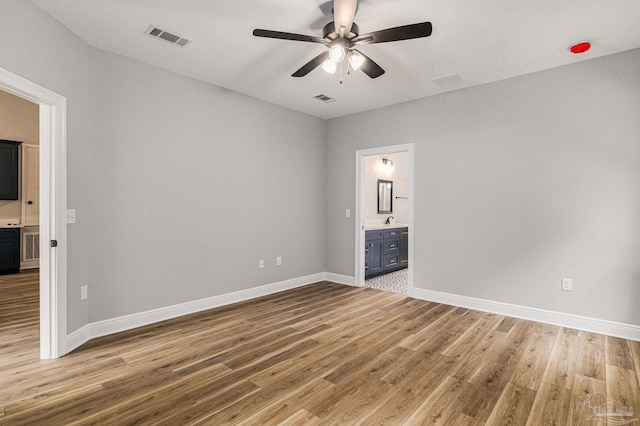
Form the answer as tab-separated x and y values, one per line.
480	41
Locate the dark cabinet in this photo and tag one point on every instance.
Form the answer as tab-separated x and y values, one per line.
373	253
386	250
9	172
9	250
403	256
391	247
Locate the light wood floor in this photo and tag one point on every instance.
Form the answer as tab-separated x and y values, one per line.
321	354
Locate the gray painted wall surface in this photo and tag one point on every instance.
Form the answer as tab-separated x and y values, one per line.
35	46
192	184
517	184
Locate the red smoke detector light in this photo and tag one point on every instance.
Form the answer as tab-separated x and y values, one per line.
580	47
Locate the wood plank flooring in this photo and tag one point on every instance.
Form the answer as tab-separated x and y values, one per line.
320	354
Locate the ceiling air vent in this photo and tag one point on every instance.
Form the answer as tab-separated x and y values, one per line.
324	98
169	37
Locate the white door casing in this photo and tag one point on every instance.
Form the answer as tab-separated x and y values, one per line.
53	201
360	207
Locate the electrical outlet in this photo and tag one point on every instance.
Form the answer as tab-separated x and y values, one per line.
567	284
83	292
261	263
279	260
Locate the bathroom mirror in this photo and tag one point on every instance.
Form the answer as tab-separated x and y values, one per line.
385	192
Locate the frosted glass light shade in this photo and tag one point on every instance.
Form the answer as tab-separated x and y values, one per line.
356	59
329	66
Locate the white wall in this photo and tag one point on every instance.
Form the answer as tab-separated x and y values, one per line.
192	184
517	184
399	175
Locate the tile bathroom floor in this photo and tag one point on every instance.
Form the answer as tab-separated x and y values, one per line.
395	282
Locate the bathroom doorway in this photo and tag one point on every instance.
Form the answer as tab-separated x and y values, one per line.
384	218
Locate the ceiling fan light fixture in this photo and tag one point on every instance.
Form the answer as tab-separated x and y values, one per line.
337	53
356	59
330	66
341	36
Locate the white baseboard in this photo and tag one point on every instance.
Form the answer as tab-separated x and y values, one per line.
77	338
128	322
32	264
610	328
340	279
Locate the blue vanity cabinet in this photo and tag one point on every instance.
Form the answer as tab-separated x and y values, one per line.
391	247
403	256
373	242
386	250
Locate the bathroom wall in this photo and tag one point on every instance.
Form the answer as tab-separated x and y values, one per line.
400	177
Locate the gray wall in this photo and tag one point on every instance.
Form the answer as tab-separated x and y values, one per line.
191	185
35	46
517	184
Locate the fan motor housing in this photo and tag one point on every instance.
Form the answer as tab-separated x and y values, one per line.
329	31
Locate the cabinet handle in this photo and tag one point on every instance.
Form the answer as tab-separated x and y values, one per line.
29	202
392	245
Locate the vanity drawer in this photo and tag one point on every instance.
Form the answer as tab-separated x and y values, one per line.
390	246
375	234
390	261
391	233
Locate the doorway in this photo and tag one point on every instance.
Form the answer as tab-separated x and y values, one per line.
52	200
367	216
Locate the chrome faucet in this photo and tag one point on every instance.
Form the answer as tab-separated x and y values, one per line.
388	221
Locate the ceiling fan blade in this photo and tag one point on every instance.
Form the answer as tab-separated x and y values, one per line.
405	32
344	11
288	36
311	65
369	67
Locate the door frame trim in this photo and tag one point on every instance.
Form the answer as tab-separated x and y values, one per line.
360	207
53	201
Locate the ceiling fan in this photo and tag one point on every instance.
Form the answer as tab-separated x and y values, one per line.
341	38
